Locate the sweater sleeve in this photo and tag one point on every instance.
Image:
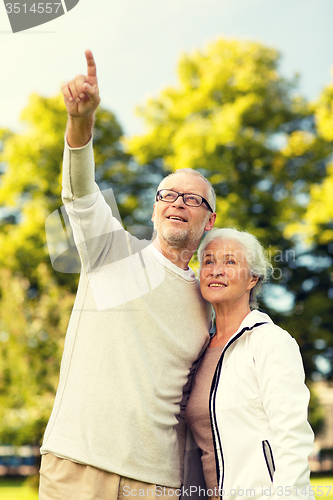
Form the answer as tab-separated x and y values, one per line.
285	399
78	179
89	215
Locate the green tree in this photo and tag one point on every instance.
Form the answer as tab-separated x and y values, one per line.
233	117
31	345
317	222
35	300
30	186
314	292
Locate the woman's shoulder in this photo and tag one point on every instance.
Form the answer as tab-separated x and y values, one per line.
271	341
265	330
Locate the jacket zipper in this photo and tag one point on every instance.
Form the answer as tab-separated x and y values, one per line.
212	407
268	454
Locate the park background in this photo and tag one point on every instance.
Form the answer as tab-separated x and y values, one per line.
239	89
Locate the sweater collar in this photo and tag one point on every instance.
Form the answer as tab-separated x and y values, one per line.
186	274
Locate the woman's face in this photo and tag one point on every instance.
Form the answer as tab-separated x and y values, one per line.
225	275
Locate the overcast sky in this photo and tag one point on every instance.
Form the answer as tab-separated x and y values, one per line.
137	43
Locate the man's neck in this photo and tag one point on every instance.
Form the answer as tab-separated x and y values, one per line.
180	257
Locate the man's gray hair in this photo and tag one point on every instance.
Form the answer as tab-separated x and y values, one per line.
255	255
211	197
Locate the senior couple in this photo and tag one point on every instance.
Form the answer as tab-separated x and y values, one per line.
140	326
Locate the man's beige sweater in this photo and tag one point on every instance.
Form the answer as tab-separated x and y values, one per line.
137	325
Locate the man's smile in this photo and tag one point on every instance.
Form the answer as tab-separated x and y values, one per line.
176	217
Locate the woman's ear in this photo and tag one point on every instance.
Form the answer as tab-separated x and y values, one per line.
253	282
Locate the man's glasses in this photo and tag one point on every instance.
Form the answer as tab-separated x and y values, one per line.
191	200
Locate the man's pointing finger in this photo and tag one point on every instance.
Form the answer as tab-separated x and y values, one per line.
91	65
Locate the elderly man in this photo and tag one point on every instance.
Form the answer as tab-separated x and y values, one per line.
137	326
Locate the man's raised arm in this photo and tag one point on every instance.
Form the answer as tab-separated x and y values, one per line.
81	98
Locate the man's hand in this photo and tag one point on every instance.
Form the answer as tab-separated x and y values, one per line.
81	94
81	98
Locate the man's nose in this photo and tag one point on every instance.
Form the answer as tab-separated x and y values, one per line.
179	202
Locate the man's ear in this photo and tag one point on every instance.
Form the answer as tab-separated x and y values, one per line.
153	215
211	221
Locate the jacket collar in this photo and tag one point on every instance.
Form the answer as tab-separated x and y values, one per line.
254	318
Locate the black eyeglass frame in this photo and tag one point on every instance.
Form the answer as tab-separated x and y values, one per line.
203	200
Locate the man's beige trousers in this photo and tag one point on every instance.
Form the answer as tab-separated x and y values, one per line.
65	480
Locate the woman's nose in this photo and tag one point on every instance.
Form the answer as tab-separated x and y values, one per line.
218	270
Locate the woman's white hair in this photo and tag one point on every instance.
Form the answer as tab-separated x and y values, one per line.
255	255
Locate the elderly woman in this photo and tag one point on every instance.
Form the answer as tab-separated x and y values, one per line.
248	405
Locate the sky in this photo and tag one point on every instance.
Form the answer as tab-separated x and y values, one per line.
137	43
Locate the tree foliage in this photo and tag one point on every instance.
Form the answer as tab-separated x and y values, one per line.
35	300
233	117
266	150
317	222
31	344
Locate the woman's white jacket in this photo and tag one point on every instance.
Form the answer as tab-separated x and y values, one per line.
258	410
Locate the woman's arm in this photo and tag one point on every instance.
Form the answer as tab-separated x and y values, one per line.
285	399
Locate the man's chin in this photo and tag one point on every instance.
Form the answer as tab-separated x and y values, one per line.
181	239
178	239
